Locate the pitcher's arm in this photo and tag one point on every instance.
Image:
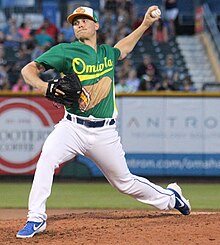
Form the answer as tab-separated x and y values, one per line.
127	44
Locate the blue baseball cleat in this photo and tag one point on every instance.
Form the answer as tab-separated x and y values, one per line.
31	228
181	204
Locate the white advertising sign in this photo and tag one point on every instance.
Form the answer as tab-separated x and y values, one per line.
170	125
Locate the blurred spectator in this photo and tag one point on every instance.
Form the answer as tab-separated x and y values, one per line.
145	84
145	66
133	81
154	77
150	80
101	37
37	51
114	19
20	85
60	38
13	74
171	13
10	22
108	26
160	31
108	18
111	5
109	39
12	37
3	78
24	31
48	28
22	58
43	38
3	59
165	85
187	85
170	70
122	87
67	31
5	63
107	21
31	42
6	87
2	20
2	37
123	16
125	68
128	6
122	31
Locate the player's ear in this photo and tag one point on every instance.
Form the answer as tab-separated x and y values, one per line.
96	26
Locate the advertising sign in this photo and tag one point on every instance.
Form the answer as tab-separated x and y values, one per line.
172	136
24	125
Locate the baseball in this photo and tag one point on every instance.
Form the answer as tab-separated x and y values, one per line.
156	13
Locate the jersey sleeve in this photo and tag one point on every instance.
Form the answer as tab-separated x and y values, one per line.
117	53
52	58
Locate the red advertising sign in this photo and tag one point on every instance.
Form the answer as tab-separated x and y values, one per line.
25	123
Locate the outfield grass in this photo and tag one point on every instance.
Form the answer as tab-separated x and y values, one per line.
102	195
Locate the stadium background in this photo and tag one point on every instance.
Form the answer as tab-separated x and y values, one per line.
184	128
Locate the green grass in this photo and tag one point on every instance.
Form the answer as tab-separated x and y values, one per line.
102	195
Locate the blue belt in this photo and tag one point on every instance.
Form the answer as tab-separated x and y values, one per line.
90	124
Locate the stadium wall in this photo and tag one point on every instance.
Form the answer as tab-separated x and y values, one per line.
163	134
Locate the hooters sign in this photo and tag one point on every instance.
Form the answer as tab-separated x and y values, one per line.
25	123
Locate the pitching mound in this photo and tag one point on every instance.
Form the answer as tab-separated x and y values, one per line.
116	227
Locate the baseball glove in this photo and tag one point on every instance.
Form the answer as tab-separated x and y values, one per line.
69	84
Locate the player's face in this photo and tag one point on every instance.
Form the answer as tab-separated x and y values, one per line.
84	28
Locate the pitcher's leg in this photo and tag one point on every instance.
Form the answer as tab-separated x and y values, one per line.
147	192
109	156
56	150
41	187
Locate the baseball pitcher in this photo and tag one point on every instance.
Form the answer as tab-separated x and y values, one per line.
86	89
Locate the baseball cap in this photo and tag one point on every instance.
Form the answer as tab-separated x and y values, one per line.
86	11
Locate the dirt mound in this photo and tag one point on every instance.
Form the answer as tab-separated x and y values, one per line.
116	227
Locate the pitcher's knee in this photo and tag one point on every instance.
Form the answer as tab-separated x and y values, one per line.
47	160
125	186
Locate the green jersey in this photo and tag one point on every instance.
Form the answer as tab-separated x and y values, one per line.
95	71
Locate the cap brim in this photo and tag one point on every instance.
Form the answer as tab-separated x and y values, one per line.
71	17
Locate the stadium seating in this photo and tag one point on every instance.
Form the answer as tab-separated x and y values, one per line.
158	52
197	62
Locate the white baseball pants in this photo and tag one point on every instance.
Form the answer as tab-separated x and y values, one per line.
102	145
